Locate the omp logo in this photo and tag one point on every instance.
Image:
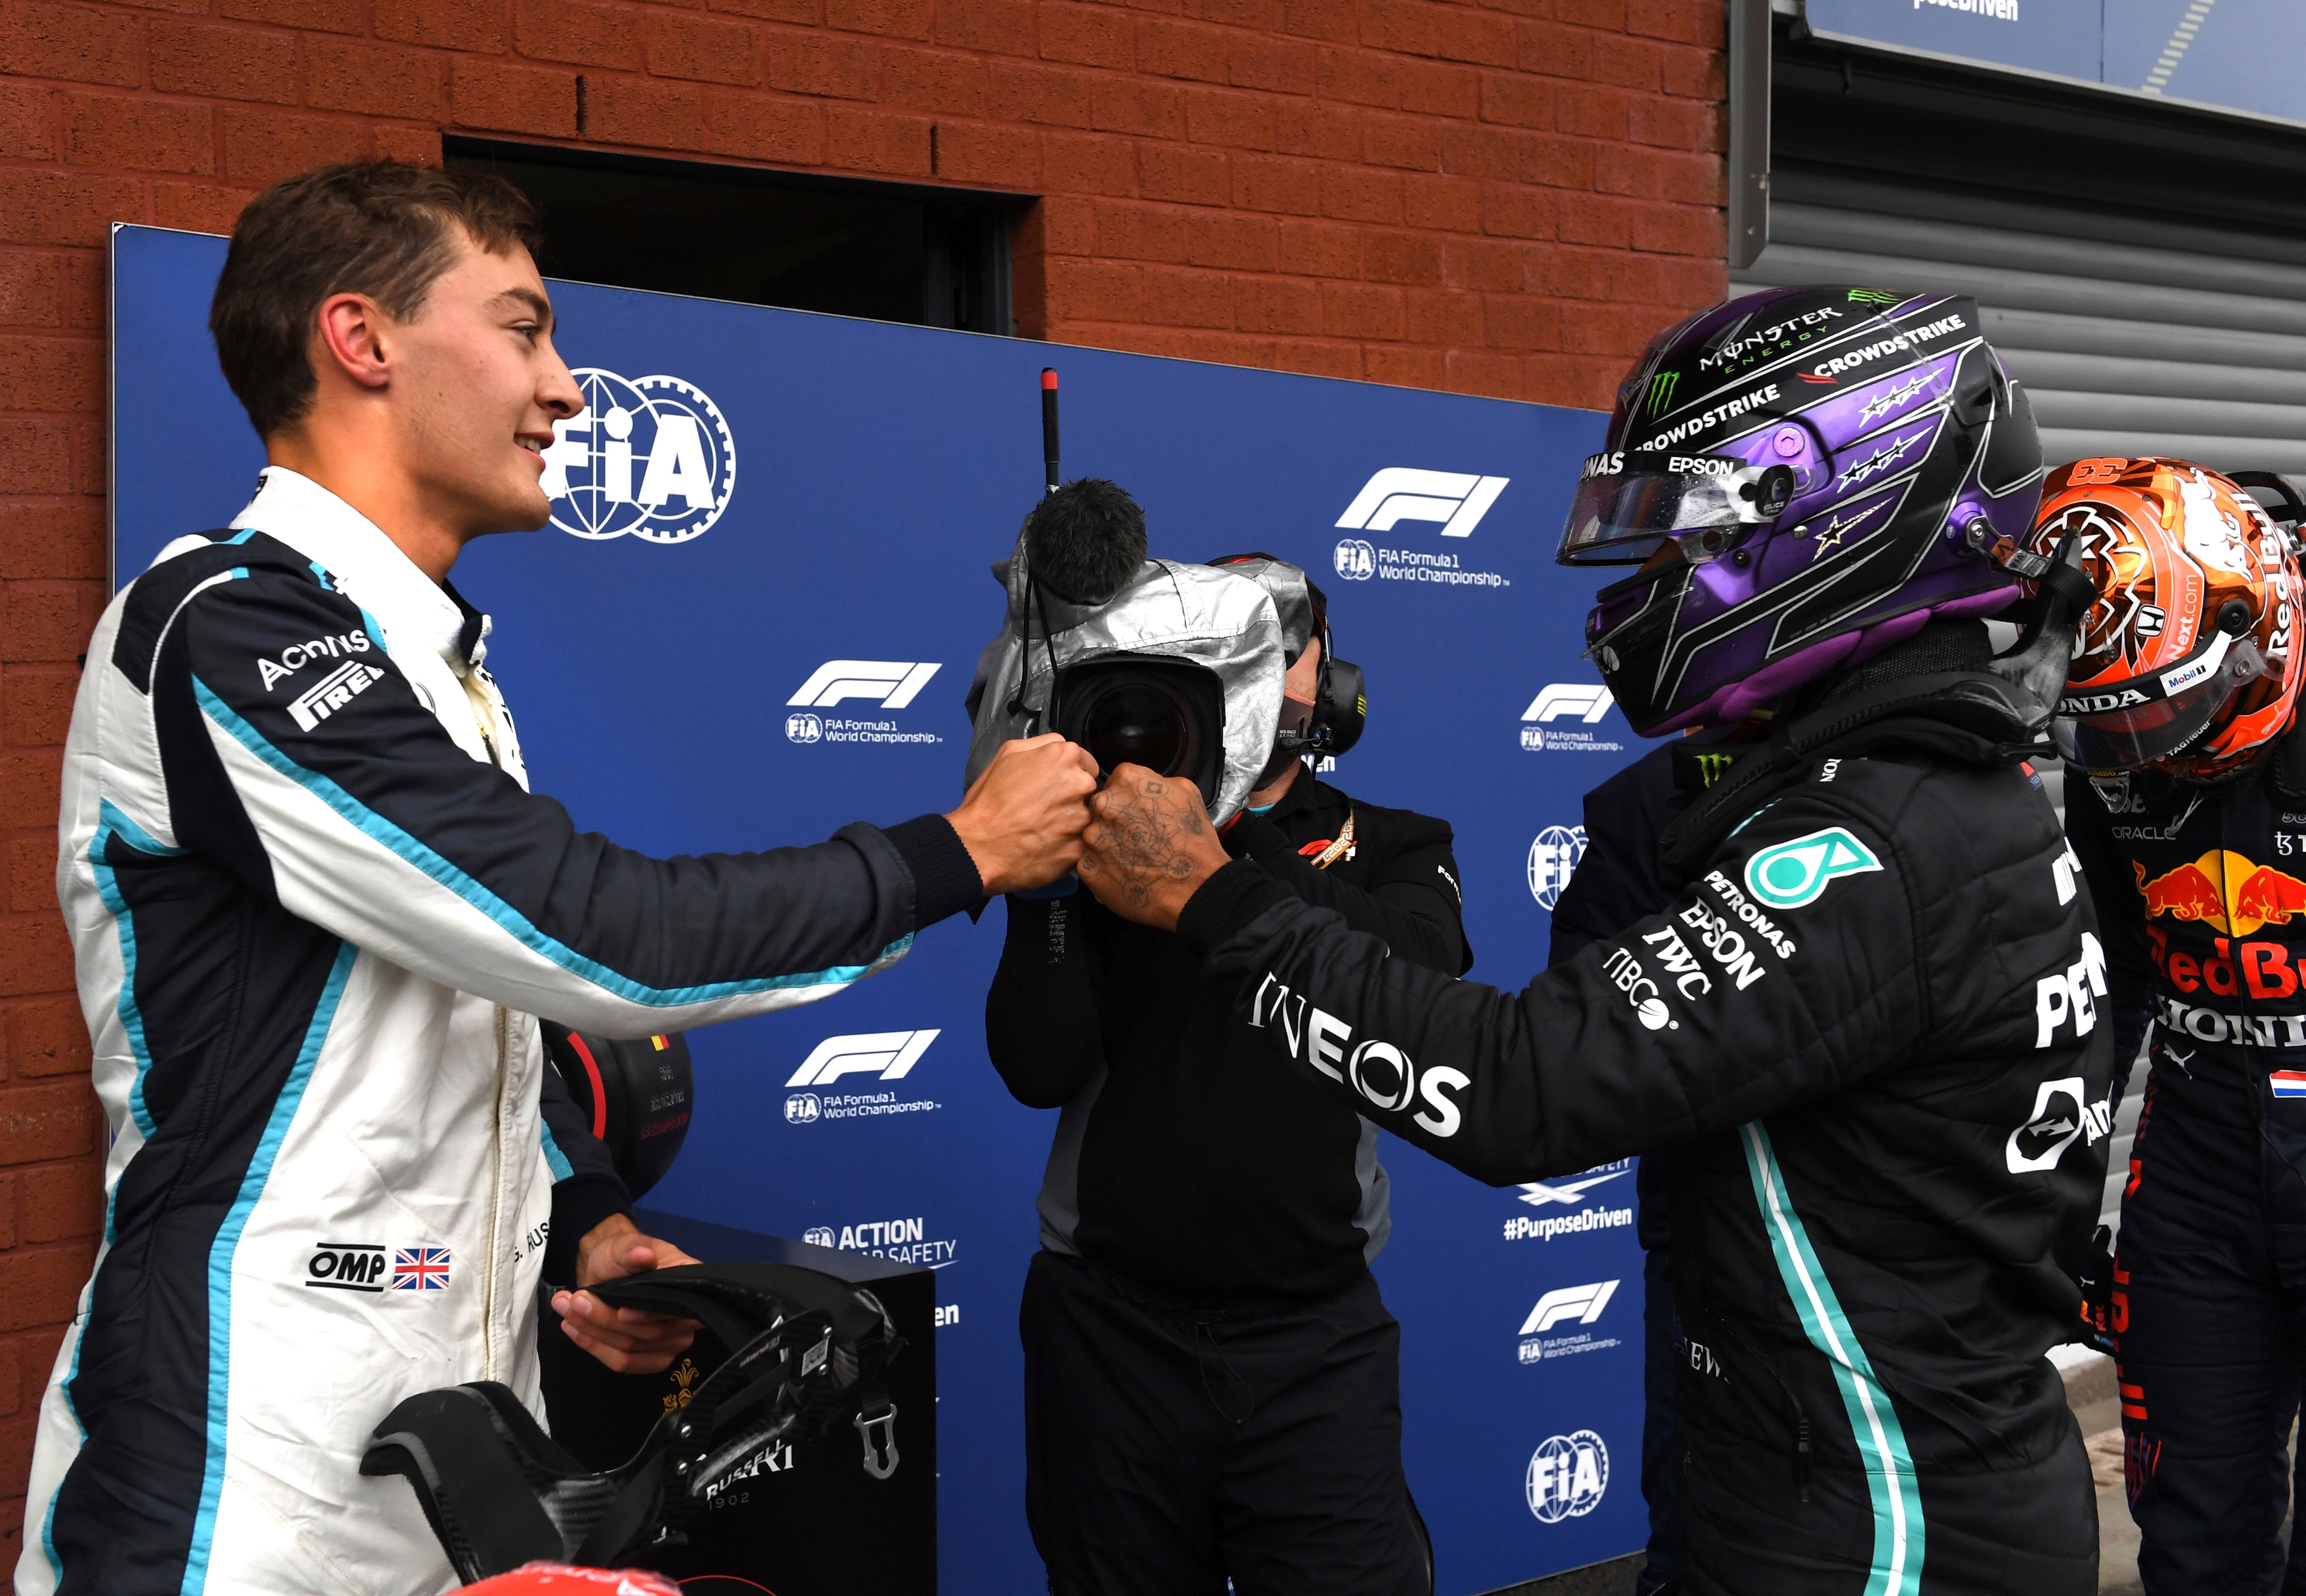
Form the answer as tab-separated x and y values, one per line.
1356	559
818	1235
346	1266
331	693
1558	699
1540	1192
1567	1474
1552	861
1400	493
892	683
1582	1304
886	1054
667	431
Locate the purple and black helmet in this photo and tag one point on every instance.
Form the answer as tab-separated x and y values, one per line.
1820	457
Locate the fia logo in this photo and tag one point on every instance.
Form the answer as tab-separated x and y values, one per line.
1567	1474
804	1108
1401	494
649	455
1552	861
803	729
818	1235
1356	559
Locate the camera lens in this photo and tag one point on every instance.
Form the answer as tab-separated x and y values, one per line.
1137	723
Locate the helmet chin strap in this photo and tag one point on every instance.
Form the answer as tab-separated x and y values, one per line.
2038	664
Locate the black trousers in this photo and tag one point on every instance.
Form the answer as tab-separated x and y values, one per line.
2214	1347
2030	1531
1169	1448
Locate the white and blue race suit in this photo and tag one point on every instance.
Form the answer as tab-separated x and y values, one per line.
314	909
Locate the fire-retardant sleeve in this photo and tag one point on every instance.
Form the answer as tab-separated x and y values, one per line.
586	1186
1619	875
1788	972
350	805
2121	921
1411	900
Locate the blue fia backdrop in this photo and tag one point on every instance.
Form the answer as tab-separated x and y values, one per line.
779	644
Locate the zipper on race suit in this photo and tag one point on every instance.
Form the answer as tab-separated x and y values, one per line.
476	698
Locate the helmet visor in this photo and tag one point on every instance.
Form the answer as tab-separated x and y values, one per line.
2125	725
1626	506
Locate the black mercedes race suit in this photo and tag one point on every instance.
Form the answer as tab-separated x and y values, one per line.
2202	892
1866	1031
1620	879
1212	1384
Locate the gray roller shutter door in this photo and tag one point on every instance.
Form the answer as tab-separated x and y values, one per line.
2172	336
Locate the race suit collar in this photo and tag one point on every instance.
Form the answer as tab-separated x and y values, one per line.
1974	717
369	566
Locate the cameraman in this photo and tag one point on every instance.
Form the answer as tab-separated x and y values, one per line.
314	908
1211	1382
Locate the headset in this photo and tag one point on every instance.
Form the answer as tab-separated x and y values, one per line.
1341	694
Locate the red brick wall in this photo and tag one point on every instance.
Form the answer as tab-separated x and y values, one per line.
1503	197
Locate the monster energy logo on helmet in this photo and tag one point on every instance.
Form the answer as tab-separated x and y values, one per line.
1661	387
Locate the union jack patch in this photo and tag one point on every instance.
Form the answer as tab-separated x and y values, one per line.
420	1269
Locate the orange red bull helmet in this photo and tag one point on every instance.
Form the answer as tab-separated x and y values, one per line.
2184	661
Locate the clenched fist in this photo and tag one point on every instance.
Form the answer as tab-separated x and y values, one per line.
1148	847
1022	821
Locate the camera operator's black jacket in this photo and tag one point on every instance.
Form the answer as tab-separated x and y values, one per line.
1865	1031
1182	1161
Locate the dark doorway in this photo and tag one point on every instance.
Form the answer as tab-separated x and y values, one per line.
933	257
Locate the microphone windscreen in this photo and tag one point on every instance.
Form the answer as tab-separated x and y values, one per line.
1086	540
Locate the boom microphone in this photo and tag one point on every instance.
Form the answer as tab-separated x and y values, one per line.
1050	422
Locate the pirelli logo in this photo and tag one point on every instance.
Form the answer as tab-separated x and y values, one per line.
331	693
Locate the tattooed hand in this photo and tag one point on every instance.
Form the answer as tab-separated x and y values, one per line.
1149	846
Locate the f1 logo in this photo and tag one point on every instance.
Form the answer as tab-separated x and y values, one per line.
893	682
1561	698
888	1054
1582	1304
1401	494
